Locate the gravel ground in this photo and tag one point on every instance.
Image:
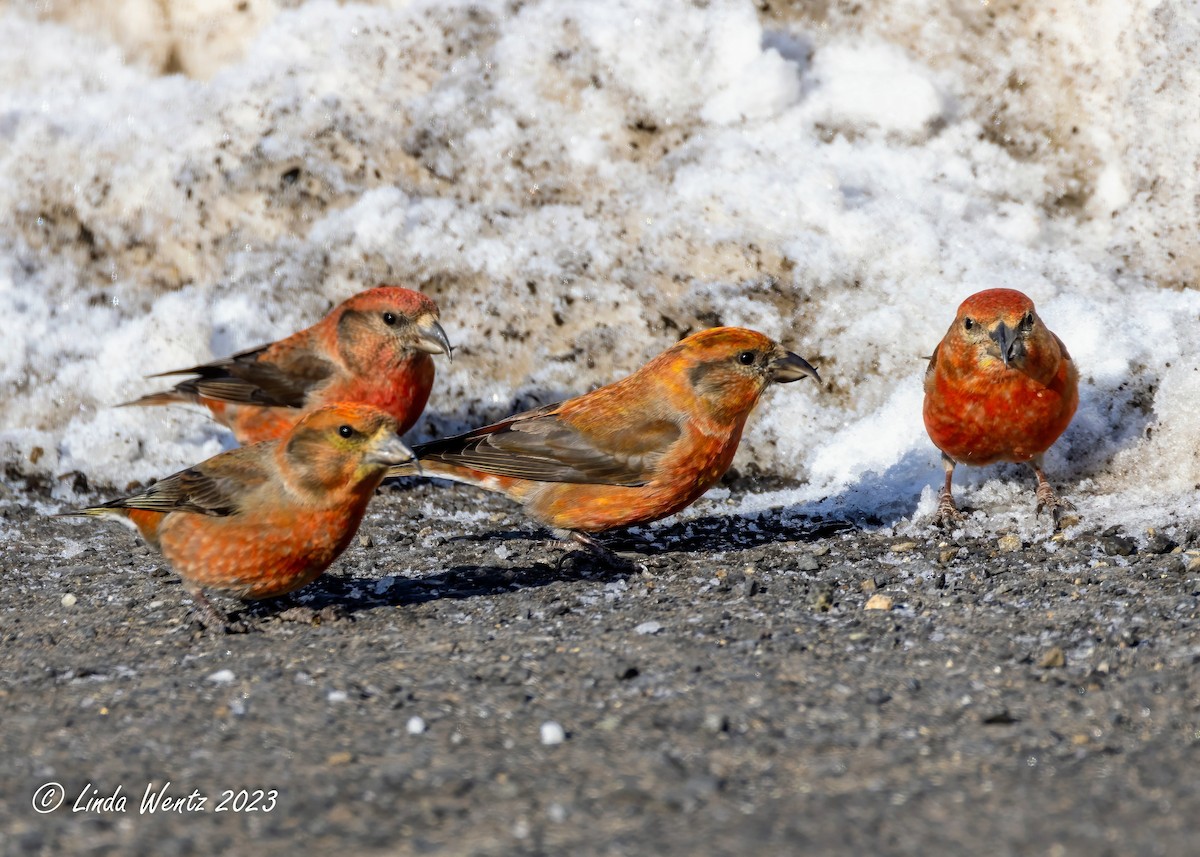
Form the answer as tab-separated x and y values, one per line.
763	686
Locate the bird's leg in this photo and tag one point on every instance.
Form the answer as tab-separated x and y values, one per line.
947	513
210	617
1046	498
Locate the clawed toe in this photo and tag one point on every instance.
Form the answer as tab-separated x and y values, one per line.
1047	500
595	551
210	618
947	514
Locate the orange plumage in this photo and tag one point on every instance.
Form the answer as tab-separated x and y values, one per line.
373	348
1000	387
263	520
629	453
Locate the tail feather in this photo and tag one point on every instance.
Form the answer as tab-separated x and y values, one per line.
165	397
142	522
434	469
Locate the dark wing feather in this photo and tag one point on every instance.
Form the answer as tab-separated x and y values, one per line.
929	370
541	446
252	378
211	488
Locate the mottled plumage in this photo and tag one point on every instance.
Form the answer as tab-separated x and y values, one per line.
263	520
631	452
1000	387
373	348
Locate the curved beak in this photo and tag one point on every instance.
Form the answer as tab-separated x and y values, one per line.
432	339
389	451
787	367
1008	340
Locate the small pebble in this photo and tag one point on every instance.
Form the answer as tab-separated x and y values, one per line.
337	696
877	696
1053	659
879	601
552	733
68	600
221	677
648	628
807	563
822	599
1010	543
1118	545
903	547
1157	543
415	725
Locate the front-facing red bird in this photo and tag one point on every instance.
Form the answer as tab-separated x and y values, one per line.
1000	387
263	520
373	348
629	453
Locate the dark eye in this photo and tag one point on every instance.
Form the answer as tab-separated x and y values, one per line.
1027	321
968	323
389	318
746	358
346	431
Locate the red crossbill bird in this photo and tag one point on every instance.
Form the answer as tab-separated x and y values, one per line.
373	348
629	453
266	519
1000	387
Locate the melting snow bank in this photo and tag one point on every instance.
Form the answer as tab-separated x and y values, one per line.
578	184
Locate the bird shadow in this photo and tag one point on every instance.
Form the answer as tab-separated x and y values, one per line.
332	596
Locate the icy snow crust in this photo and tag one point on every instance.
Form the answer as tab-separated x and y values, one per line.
578	184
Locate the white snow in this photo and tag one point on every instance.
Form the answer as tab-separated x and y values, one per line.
578	183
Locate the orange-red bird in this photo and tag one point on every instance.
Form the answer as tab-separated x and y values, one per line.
1000	387
265	519
632	452
373	348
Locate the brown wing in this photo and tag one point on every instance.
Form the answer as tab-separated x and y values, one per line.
260	376
211	488
541	446
929	370
1061	346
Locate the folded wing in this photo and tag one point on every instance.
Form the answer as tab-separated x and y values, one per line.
544	446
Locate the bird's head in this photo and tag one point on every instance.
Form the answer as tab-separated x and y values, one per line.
389	321
729	367
343	446
999	325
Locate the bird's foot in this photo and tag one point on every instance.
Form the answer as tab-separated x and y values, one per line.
1048	500
947	514
597	551
212	619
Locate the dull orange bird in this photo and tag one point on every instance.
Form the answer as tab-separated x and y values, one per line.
629	453
263	520
1000	387
373	348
